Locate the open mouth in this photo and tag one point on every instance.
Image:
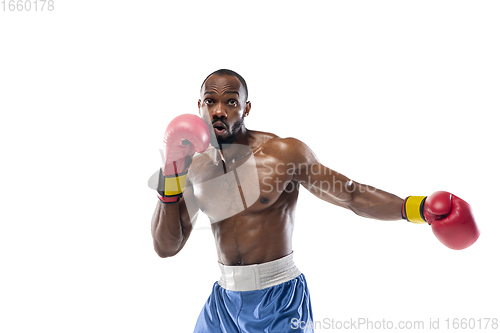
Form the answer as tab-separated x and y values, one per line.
219	128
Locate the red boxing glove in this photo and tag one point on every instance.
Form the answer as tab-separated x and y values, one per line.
450	217
185	135
451	220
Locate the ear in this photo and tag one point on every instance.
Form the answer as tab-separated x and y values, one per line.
199	107
248	106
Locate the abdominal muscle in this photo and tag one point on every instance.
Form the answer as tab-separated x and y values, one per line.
254	237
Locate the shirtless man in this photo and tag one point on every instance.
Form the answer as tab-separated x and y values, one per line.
247	183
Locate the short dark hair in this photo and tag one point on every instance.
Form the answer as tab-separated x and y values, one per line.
223	72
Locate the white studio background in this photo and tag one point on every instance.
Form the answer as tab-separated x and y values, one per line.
396	94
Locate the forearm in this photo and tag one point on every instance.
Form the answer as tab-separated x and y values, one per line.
373	203
167	230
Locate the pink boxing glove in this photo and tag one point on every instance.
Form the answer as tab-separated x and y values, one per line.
185	135
450	217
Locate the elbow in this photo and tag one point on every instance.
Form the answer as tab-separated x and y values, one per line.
166	254
166	247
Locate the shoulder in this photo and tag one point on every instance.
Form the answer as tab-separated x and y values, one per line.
290	149
267	140
259	138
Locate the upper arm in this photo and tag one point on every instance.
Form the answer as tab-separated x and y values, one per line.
337	189
320	180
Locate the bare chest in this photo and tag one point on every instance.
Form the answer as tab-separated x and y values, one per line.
249	185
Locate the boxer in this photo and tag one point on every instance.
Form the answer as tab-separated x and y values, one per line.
247	183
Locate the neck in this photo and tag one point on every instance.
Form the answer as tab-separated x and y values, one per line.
234	150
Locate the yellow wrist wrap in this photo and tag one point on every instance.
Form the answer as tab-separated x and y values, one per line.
170	187
413	207
174	185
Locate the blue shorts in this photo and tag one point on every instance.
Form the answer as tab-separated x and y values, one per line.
277	309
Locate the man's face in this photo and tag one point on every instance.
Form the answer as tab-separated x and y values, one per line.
223	103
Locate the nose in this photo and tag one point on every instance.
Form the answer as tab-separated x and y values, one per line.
218	111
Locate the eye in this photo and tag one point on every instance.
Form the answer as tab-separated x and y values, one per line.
232	102
208	101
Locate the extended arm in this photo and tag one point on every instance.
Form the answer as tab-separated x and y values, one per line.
450	217
339	190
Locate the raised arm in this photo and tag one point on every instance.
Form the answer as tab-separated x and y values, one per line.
338	189
176	210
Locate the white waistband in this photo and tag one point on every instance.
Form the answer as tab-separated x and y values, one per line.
259	276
